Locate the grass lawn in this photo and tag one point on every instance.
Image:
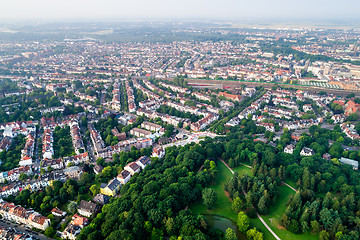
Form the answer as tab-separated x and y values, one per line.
243	170
223	203
276	212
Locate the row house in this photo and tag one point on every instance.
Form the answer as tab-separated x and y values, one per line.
268	126
175	88
48	122
53	87
28	151
11	189
151	126
148	93
96	139
164	117
77	159
301	124
52	163
338	118
138	132
116	133
14	174
83	96
204	122
130	97
349	131
47	148
5	143
201	96
20	215
132	168
76	137
183	108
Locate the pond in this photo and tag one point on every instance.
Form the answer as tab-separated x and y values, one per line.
222	224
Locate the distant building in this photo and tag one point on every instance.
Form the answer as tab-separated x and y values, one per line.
353	163
307	152
289	149
234	97
58	213
158	152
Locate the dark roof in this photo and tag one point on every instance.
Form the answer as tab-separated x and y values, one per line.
144	160
124	174
113	184
101	199
88	206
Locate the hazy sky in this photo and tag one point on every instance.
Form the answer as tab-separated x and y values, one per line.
179	9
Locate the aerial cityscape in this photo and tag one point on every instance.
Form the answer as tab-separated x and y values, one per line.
179	127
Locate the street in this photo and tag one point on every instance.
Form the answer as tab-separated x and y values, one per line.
18	228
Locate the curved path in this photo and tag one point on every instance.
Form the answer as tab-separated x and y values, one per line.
258	215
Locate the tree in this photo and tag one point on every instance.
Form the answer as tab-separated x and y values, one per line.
23	176
237	205
243	222
315	226
262	205
336	150
324	235
230	234
254	234
50	232
94	189
209	197
72	207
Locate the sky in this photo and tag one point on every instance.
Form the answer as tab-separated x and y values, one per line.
179	9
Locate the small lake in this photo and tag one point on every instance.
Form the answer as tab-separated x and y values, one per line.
222	224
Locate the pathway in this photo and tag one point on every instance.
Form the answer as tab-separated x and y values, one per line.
258	215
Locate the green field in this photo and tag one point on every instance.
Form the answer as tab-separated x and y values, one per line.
223	206
223	203
276	212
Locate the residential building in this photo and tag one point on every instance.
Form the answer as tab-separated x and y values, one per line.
289	149
110	189
307	152
143	161
124	176
132	168
88	209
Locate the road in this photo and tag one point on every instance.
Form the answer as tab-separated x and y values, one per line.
18	228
